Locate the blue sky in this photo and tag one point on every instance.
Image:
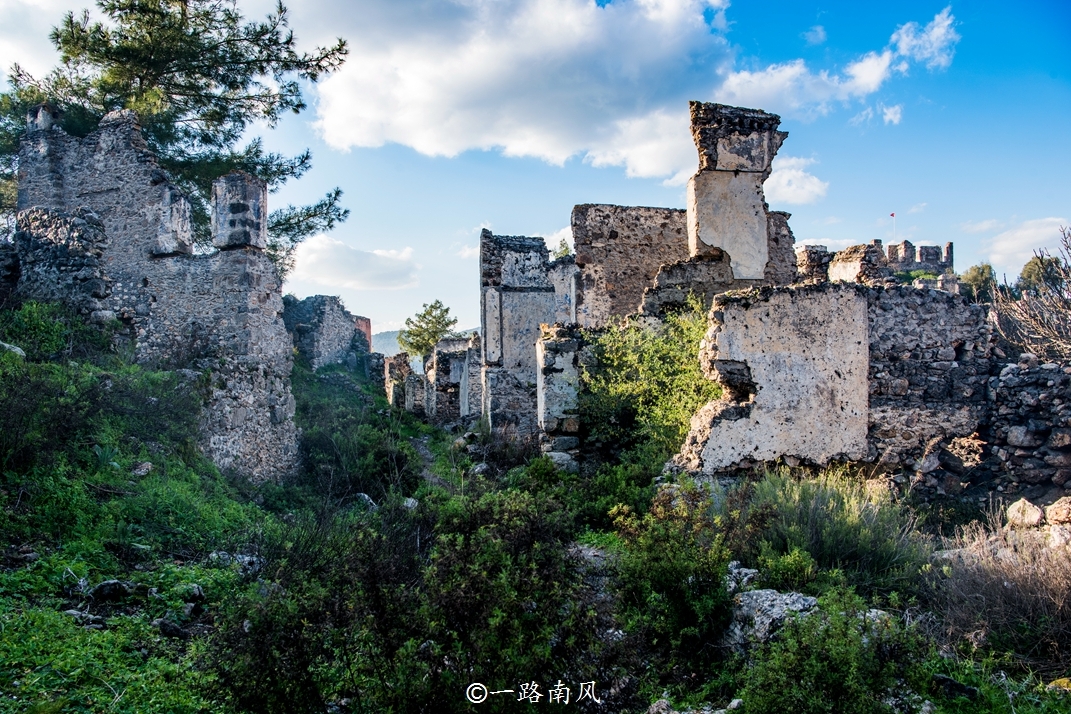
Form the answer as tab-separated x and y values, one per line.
454	115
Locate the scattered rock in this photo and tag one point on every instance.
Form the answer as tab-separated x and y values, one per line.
952	689
95	622
479	470
1024	514
1060	512
194	593
170	629
367	501
110	590
141	469
758	614
17	351
563	461
738	577
410	503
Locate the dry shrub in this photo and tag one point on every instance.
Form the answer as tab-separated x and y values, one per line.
1037	318
1006	591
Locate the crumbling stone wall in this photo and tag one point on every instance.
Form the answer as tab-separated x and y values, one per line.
793	366
517	295
558	353
905	257
726	206
472	380
9	271
812	263
446	375
1029	434
395	371
929	366
60	257
219	312
888	374
619	251
323	330
860	264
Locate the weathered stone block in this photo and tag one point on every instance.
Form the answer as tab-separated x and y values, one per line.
239	211
727	211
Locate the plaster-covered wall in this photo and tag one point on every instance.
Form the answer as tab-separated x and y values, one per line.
793	365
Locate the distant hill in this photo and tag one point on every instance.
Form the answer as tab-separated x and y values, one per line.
387	343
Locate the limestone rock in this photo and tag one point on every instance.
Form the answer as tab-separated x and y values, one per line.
758	614
1059	512
17	351
1024	514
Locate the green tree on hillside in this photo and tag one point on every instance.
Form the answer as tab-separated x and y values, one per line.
198	75
1042	272
425	329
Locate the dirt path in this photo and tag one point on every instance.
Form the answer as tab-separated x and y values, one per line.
421	446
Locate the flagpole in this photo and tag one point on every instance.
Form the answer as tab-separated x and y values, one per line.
893	227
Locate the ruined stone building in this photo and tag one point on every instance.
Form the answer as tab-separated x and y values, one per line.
102	228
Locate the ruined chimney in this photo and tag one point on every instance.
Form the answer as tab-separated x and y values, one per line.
726	207
239	211
42	117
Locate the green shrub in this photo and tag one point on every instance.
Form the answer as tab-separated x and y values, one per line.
840	523
51	331
672	571
840	660
645	384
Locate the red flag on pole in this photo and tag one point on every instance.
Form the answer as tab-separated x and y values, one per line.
893	215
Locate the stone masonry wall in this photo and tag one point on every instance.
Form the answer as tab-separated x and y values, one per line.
61	257
323	330
220	312
929	366
395	371
447	373
558	353
619	251
517	295
793	366
726	206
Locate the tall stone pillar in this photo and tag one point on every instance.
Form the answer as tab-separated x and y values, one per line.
239	211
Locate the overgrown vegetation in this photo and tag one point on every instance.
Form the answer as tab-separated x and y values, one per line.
390	577
1035	314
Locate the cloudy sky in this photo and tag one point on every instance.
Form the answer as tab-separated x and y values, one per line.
455	115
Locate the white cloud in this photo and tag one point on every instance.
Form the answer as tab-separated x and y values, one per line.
815	36
892	114
469	252
555	239
987	226
330	263
918	208
862	117
555	79
1009	251
935	44
790	183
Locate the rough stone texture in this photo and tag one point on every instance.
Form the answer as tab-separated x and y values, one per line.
1029	427
1059	513
220	312
558	353
758	614
812	263
61	257
710	274
929	365
239	211
517	296
375	371
472	380
447	372
9	271
324	332
396	370
793	366
905	257
860	264
619	251
725	204
1024	514
363	338
415	389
